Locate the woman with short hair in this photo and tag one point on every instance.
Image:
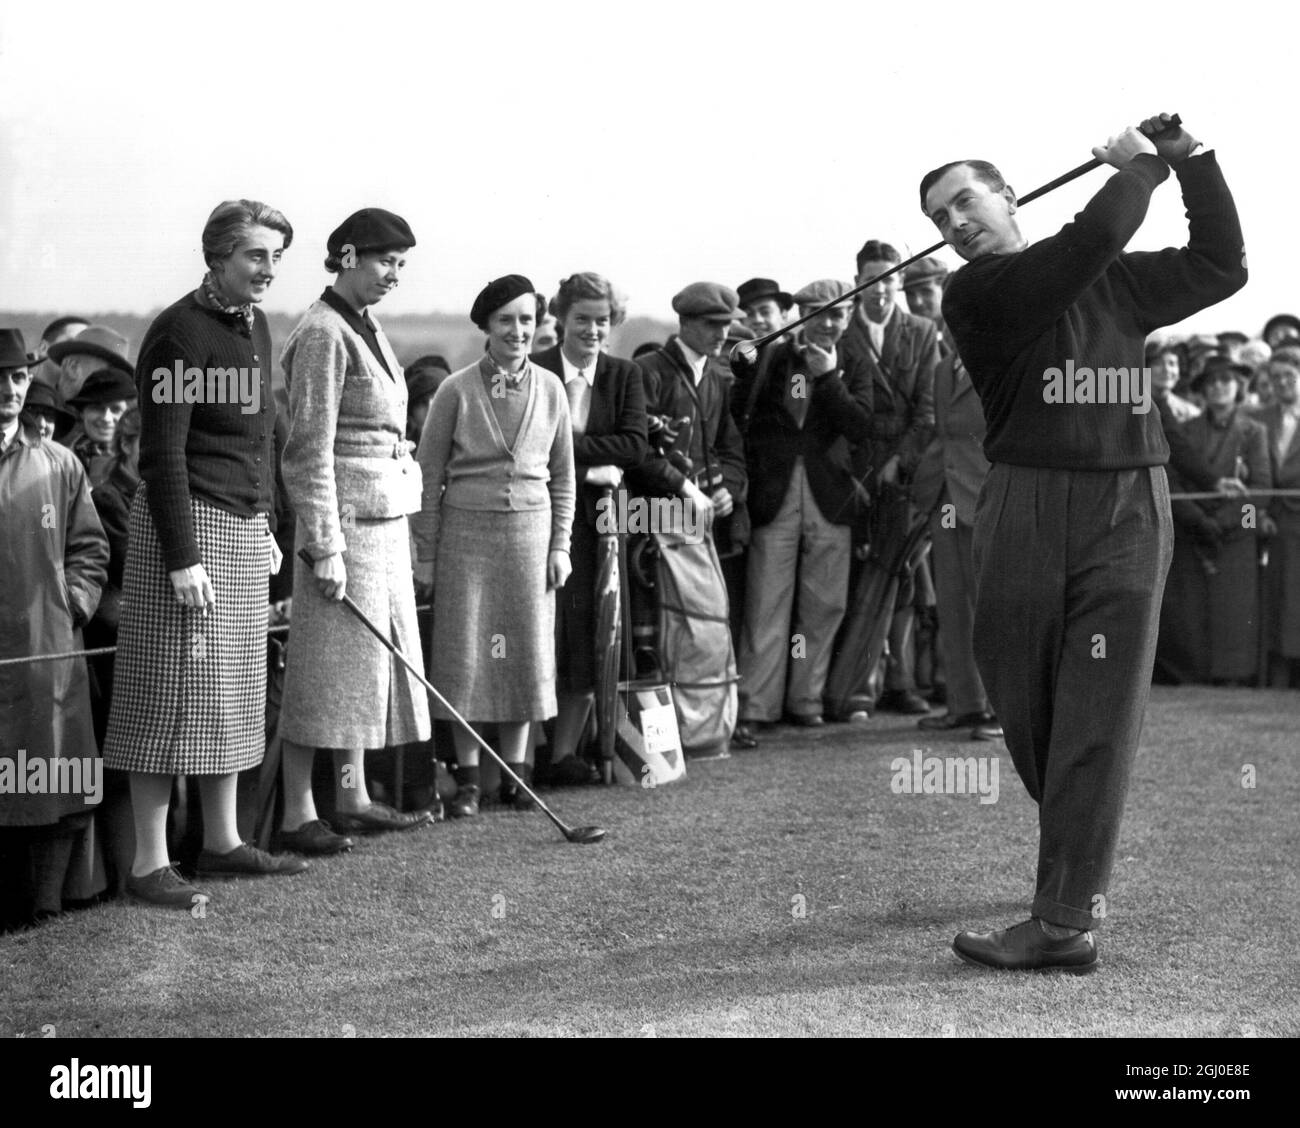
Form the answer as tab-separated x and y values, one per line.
189	694
607	417
348	470
493	535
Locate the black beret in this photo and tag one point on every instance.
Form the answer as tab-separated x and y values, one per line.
370	229
498	292
104	386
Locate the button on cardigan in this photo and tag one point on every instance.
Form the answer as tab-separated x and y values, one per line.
467	464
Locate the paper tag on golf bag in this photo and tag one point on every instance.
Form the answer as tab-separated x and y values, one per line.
647	748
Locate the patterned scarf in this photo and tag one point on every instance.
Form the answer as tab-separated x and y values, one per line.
210	296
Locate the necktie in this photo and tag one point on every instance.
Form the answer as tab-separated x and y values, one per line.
579	393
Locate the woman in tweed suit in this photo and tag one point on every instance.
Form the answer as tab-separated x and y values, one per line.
348	471
189	693
493	534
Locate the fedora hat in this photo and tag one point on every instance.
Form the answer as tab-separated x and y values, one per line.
98	341
41	398
13	350
105	386
757	289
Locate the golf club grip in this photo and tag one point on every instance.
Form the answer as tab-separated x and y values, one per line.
1175	122
306	558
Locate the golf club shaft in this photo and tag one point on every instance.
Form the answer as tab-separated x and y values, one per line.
305	556
1174	123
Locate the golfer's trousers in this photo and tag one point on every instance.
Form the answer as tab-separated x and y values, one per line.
1071	568
785	646
954	587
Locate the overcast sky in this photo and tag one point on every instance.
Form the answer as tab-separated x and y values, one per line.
656	143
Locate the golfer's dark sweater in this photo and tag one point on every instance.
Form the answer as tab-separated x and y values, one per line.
1077	297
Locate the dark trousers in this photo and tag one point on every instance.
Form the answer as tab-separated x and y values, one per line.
1071	568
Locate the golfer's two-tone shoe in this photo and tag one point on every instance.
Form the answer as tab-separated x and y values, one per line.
1027	947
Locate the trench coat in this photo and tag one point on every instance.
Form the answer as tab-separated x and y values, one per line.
53	560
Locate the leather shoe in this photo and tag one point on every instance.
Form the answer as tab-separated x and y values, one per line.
806	720
1026	947
945	722
247	861
988	730
313	837
902	701
166	887
464	804
377	818
743	737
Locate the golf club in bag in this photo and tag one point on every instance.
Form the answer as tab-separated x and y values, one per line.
583	835
749	349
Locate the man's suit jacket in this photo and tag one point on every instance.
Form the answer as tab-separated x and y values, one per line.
1286	472
616	422
838	405
716	448
903	379
955	456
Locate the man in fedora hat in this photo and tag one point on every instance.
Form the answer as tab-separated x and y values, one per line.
45	372
765	304
87	352
103	400
50	587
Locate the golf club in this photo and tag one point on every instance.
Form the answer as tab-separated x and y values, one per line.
749	349
583	835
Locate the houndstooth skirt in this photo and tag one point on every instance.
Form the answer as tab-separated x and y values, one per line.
342	689
189	690
493	617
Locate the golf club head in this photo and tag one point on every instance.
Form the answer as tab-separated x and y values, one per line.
585	835
745	351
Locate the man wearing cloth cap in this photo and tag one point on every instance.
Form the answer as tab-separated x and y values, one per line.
51	573
800	412
765	305
923	289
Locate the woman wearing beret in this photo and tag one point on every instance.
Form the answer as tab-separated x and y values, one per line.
493	534
349	473
101	403
189	692
607	417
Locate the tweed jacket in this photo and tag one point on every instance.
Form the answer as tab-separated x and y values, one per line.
839	405
616	424
903	376
346	457
467	464
1240	438
1286	472
955	457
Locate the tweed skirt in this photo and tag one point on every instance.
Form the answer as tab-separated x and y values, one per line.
342	689
189	690
493	617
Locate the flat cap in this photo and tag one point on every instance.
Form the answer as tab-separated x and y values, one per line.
710	300
760	289
104	386
739	331
931	268
370	229
500	291
822	291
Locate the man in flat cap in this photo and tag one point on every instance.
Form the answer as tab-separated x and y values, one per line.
923	288
765	304
800	411
689	422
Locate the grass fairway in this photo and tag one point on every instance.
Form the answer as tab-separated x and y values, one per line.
787	891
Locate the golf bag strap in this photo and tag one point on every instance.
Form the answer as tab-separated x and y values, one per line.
756	388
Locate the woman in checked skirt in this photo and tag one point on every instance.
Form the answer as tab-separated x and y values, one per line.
189	696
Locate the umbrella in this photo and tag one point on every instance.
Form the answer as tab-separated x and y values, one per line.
897	543
609	621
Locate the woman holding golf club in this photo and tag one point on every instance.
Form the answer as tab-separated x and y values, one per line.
189	692
607	415
348	471
493	535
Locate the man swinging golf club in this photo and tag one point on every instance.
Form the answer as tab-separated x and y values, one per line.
1072	529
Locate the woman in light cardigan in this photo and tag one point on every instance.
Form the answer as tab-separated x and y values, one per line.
348	471
493	535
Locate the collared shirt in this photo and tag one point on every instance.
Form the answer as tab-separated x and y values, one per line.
694	359
7	435
359	323
572	371
876	330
